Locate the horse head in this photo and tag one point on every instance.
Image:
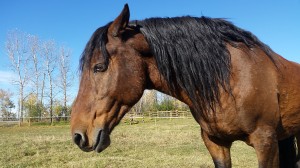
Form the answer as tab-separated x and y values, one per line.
113	78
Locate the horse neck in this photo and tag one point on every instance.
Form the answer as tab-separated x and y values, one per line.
157	82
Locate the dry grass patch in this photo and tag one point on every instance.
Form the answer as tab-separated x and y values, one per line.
164	143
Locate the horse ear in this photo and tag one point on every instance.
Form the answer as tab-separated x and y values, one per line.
120	22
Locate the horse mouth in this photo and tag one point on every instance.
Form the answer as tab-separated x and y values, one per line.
102	140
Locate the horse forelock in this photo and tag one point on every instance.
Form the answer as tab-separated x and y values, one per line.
97	41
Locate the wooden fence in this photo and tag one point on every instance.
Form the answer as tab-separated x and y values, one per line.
129	115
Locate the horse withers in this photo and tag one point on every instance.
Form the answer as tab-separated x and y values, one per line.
236	87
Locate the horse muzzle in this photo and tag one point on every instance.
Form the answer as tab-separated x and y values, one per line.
101	141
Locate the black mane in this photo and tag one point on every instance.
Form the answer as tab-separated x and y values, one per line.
190	53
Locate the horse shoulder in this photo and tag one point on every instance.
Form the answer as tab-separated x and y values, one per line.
253	100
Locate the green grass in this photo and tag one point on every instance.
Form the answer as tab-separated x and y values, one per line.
161	143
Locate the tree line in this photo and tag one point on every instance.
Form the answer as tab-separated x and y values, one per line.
42	75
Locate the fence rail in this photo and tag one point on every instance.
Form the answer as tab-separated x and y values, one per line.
160	114
129	115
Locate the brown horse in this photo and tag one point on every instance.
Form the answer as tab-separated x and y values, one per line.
236	87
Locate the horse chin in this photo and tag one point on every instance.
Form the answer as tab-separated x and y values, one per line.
102	140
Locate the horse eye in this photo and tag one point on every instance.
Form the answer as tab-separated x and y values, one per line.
99	68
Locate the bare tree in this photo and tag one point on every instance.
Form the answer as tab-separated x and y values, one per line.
150	99
50	59
34	45
16	47
65	76
43	88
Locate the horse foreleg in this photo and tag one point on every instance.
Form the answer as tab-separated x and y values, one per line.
219	150
264	141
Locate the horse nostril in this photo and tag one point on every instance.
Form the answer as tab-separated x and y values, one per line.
79	139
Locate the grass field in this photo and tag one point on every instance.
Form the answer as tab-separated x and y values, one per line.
161	143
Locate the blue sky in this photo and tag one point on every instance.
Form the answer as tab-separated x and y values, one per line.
71	23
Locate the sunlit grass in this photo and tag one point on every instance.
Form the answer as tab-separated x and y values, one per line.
161	143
